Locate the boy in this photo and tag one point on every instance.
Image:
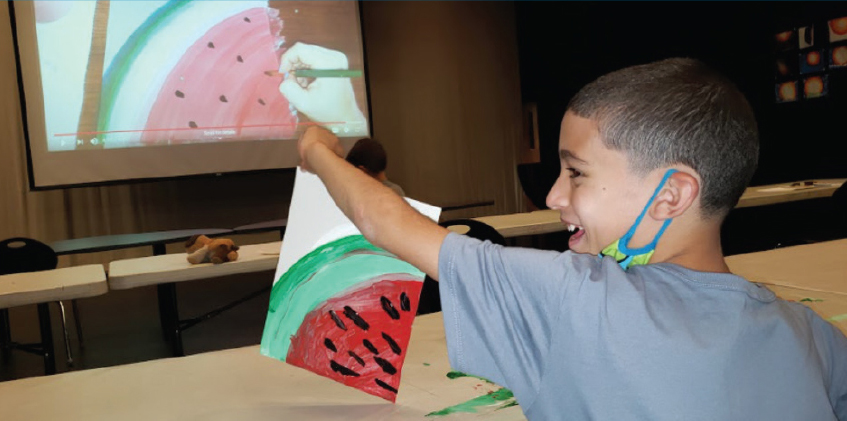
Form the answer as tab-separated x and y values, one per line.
369	156
577	336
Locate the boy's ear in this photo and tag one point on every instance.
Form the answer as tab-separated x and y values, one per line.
677	196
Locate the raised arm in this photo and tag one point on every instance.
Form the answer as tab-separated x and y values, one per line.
382	216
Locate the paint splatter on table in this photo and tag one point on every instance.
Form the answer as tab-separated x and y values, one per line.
492	400
831	306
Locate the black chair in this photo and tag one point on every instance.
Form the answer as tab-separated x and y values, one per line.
430	301
21	255
535	184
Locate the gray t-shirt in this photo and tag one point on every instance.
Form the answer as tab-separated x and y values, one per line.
575	337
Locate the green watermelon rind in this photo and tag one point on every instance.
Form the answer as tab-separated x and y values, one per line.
327	272
116	75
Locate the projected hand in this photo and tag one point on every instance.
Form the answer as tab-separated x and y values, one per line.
317	137
324	100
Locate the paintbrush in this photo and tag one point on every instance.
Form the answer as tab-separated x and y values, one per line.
316	73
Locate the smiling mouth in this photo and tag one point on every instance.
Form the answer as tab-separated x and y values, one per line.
577	232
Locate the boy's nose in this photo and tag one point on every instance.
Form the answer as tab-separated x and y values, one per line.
557	198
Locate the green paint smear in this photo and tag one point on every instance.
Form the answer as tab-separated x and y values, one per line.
838	318
502	398
426	364
456	374
810	300
318	276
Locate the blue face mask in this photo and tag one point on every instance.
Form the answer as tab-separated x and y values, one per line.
628	257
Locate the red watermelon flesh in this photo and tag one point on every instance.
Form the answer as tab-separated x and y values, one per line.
359	338
219	88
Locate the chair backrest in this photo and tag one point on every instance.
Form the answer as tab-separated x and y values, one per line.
535	184
430	301
19	255
478	230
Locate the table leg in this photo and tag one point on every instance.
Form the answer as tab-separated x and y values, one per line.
168	300
158	250
46	338
5	333
164	315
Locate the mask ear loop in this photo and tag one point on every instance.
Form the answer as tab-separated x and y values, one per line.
623	244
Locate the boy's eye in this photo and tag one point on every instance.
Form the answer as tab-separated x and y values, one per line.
574	172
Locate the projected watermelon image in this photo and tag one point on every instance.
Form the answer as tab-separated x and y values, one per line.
120	74
194	71
340	307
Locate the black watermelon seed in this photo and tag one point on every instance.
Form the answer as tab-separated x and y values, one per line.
386	366
328	343
179	94
389	308
357	358
370	346
344	371
192	124
240	60
405	305
223	98
210	44
336	319
261	101
352	315
391	343
385	386
246	19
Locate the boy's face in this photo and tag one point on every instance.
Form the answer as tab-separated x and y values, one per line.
595	191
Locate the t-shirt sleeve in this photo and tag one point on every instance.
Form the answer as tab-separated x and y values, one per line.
500	305
833	344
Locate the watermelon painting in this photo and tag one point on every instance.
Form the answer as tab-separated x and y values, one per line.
206	63
345	311
340	307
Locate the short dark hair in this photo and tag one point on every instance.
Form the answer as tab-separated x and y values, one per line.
370	154
677	111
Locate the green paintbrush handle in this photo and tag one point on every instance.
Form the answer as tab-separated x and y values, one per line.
327	73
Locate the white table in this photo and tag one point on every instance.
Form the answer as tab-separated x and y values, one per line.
168	268
547	221
786	192
812	267
831	306
241	384
165	270
43	287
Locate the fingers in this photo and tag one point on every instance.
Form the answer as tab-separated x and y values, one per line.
295	93
309	56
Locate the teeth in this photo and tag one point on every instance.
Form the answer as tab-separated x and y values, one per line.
571	227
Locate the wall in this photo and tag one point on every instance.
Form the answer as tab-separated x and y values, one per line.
563	46
445	99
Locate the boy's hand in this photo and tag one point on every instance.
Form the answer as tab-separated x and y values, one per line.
317	137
